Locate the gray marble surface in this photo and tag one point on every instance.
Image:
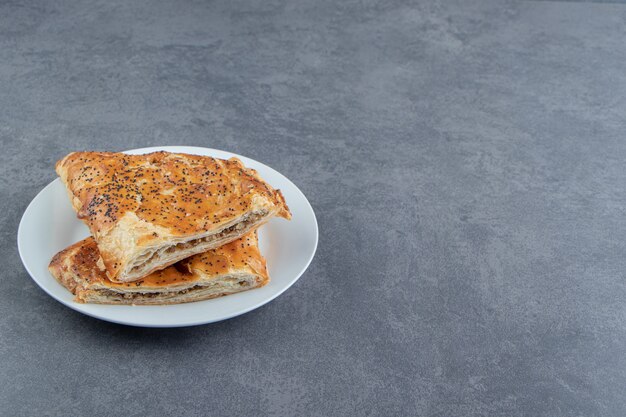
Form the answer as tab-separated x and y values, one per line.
466	161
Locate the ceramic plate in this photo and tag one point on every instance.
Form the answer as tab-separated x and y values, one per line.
49	224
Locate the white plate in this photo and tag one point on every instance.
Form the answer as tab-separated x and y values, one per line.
49	224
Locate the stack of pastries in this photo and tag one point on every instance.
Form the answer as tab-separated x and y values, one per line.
166	228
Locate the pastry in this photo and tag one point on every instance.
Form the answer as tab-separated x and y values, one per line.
232	268
149	211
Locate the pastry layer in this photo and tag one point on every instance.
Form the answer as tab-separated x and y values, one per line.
149	211
234	267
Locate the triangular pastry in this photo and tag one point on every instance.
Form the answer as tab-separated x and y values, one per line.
149	211
235	267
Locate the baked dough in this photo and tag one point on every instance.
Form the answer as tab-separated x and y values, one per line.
149	211
232	268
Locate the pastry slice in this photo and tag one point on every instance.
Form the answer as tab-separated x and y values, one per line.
235	267
149	211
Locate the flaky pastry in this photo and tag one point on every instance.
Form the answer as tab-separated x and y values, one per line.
234	267
149	211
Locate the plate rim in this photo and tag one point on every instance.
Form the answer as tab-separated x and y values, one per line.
188	323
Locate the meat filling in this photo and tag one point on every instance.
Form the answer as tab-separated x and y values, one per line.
168	294
253	218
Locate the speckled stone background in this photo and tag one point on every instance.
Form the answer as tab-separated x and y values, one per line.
466	161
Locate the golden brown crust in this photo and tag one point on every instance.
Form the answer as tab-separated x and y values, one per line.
136	204
188	280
